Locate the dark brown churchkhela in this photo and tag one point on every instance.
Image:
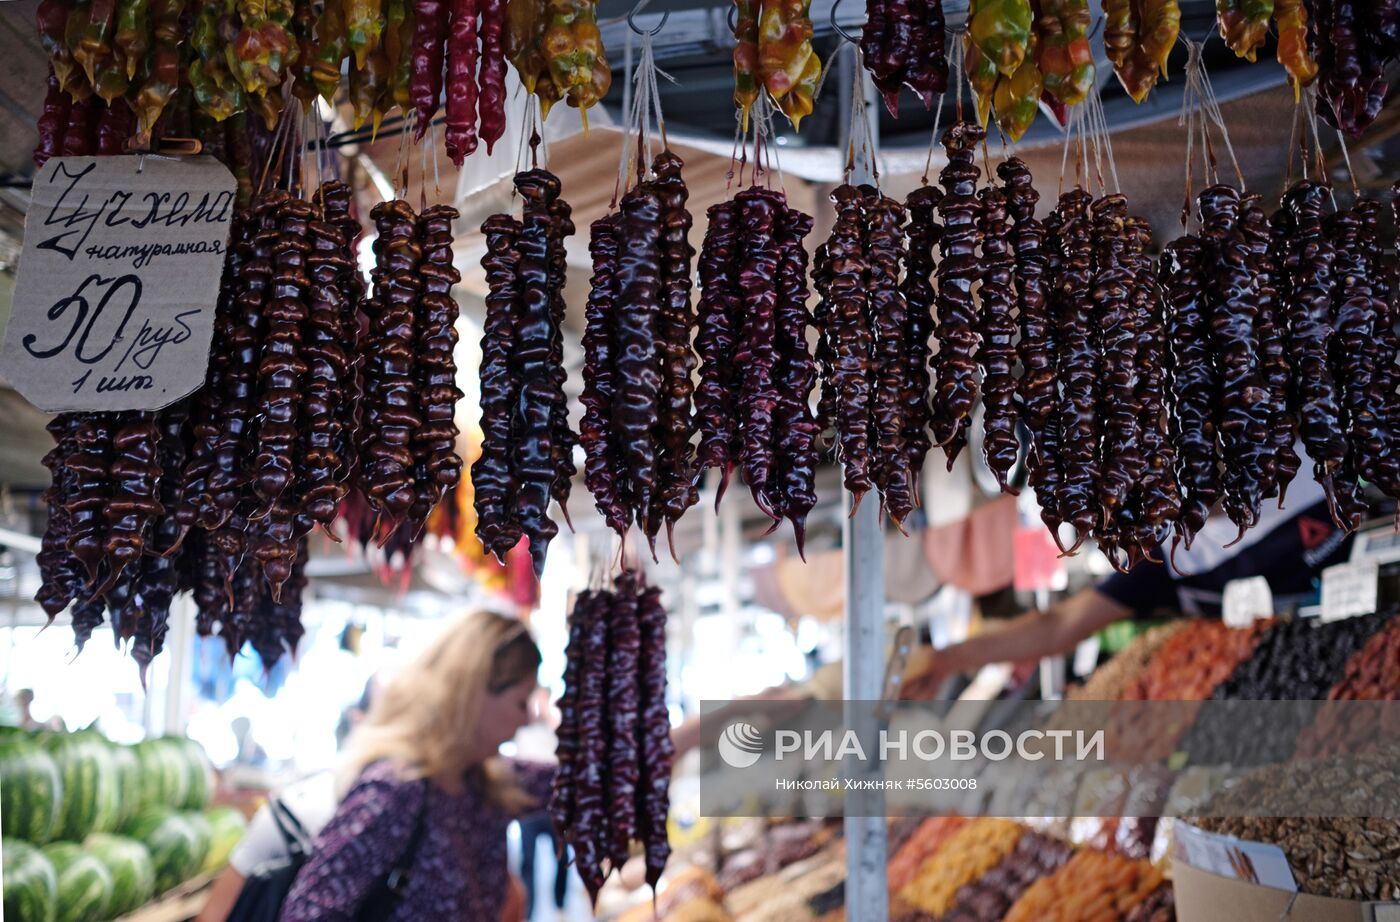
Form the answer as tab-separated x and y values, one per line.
955	389
1307	307
525	441
615	749
437	468
903	44
1038	388
843	273
997	330
638	362
751	348
1079	366
391	410
886	308
917	287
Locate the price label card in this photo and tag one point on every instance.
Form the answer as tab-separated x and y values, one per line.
1349	589
114	304
1246	600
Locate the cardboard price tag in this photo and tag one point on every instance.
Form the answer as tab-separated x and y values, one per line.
114	304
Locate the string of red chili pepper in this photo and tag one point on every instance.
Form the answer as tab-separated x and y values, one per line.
844	272
1307	307
956	330
437	467
795	373
1079	370
924	232
997	331
493	481
718	323
888	320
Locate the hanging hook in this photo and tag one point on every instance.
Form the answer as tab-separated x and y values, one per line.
632	20
836	27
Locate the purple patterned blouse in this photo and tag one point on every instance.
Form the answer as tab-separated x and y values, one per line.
460	869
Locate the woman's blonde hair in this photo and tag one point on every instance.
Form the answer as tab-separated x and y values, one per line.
424	717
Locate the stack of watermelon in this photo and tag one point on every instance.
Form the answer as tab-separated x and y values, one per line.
58	790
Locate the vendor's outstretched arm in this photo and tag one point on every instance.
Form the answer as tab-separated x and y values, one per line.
1057	629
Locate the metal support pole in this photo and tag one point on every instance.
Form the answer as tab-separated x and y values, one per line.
867	898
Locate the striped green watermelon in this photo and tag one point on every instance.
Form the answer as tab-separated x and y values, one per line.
29	883
128	769
84	883
203	829
176	847
199	782
129	863
31	791
164	774
227	827
90	785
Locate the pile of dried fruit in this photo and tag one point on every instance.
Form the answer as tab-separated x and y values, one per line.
968	854
1356	858
1111	681
756	370
922	845
989	897
527	446
1194	661
615	752
637	425
1091	885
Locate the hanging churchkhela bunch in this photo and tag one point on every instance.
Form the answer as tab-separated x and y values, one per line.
615	750
557	49
468	37
904	44
637	427
756	370
527	446
1353	44
773	56
1138	39
872	352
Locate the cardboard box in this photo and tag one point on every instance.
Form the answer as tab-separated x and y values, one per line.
1205	897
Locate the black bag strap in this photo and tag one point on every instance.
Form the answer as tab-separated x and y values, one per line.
294	834
397	878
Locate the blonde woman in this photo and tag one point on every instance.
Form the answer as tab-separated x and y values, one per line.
427	798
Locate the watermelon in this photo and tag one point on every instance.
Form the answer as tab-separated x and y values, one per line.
84	883
129	863
203	829
198	782
29	883
176	847
90	794
31	791
128	770
164	774
227	827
